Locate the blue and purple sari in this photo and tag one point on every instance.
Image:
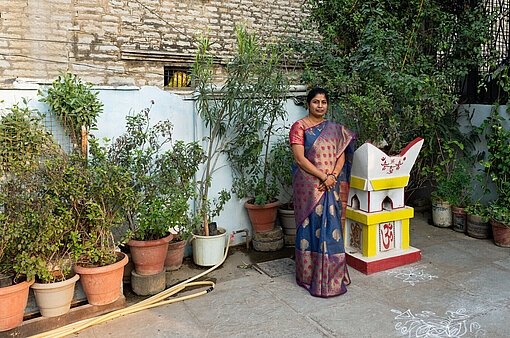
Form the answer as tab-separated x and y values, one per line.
320	215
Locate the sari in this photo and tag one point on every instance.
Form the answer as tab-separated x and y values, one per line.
320	215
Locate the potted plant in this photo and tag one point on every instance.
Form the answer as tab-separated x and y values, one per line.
228	111
101	192
139	157
448	182
497	169
477	222
182	161
500	223
249	154
162	182
44	227
48	215
281	168
459	194
24	232
16	275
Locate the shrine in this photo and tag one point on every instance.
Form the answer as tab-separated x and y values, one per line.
377	219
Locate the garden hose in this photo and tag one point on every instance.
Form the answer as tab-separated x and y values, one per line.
154	301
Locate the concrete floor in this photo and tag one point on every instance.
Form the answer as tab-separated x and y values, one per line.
460	288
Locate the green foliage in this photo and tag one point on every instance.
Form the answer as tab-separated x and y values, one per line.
478	209
99	195
500	213
37	225
240	115
456	188
257	86
161	176
280	165
497	165
73	102
22	136
360	60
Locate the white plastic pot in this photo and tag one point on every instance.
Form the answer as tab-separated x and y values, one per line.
54	299
441	213
209	250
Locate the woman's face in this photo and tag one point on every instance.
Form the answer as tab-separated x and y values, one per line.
318	106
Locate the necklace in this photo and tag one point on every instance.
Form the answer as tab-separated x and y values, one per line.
314	122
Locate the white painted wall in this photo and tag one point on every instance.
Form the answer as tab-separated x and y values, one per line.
473	115
179	109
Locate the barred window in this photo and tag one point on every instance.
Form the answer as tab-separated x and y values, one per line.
177	77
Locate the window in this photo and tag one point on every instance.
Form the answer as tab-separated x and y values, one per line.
177	77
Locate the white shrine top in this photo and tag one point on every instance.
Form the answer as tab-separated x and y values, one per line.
372	169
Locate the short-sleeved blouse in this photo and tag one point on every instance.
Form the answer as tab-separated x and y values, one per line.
297	133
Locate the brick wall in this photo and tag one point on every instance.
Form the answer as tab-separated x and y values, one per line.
126	42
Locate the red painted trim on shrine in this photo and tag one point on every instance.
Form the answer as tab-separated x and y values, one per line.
383	264
410	145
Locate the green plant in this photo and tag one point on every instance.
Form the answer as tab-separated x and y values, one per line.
478	209
280	165
22	136
391	68
450	174
38	226
497	165
73	102
99	193
500	213
249	100
161	176
455	186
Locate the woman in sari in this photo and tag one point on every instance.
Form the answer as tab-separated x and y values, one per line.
323	153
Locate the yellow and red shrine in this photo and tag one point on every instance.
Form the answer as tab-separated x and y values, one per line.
377	220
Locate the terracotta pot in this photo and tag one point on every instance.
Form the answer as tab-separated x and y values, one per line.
476	227
149	256
174	255
54	299
262	217
13	300
501	233
459	219
102	284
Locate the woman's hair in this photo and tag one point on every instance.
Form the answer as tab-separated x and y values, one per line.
312	93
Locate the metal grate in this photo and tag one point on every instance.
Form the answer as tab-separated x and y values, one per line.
59	133
24	136
177	77
500	44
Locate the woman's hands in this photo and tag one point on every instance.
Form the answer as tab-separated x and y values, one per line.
328	184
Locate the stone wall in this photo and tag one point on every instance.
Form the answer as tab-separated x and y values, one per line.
126	42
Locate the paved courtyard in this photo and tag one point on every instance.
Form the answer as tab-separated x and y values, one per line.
460	288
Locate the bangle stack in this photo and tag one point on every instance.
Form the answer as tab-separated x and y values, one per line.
327	175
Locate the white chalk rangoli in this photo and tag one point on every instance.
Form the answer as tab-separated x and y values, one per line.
411	275
428	324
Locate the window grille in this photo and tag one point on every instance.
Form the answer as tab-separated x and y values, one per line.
500	32
177	77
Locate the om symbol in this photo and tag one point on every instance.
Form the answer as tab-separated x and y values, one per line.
387	235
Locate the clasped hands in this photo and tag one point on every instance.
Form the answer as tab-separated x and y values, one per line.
328	183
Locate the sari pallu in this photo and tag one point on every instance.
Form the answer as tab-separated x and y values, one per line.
320	254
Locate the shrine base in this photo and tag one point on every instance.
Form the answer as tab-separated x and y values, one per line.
383	261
